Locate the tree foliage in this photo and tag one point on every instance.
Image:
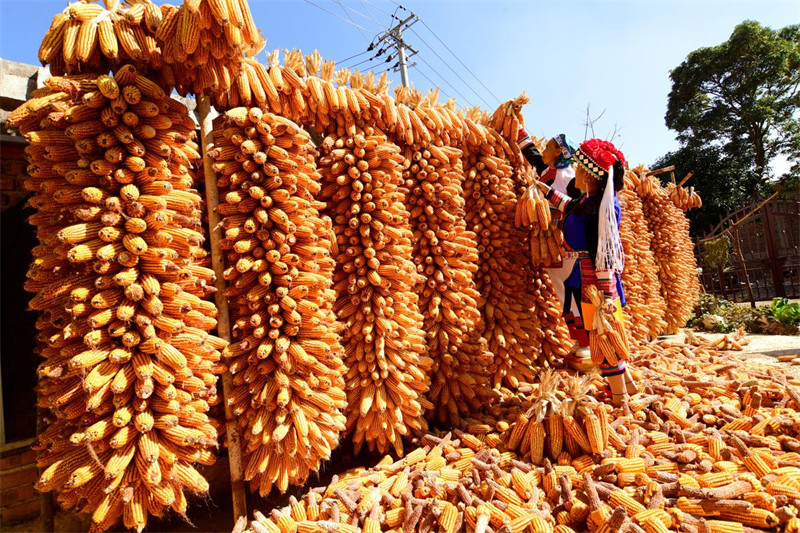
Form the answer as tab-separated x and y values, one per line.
741	96
724	182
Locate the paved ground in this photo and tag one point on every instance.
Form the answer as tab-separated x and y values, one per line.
772	345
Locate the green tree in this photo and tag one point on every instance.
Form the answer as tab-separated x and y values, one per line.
741	96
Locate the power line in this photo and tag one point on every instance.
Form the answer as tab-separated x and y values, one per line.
362	62
433	83
346	14
353	56
445	80
379	7
368	12
459	60
448	66
359	13
335	15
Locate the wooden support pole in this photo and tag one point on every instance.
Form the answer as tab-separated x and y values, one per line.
223	319
684	180
670	168
47	509
721	273
740	255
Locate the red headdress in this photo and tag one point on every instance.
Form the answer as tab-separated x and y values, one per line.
598	157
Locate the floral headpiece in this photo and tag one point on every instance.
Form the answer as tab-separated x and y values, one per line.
598	156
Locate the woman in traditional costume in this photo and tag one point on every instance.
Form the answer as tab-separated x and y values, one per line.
555	166
591	233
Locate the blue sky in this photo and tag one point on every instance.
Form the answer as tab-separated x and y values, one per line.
615	56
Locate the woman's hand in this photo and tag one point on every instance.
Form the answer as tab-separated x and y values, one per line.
545	188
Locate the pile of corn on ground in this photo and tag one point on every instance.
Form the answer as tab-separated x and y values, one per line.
709	445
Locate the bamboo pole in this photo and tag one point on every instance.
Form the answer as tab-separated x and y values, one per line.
223	319
660	170
735	224
684	180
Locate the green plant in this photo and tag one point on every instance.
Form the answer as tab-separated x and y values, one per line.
717	251
786	313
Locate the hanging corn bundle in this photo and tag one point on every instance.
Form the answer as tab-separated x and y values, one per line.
287	359
509	323
203	42
608	340
388	374
645	309
533	210
120	277
507	120
445	254
684	199
551	329
86	37
674	253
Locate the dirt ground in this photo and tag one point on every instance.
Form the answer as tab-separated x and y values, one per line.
770	345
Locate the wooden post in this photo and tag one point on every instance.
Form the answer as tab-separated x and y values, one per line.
721	273
47	510
223	320
684	180
775	262
744	267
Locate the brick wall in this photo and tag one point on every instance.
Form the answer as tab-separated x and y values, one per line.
18	499
12	174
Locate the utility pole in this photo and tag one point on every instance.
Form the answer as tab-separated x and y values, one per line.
394	37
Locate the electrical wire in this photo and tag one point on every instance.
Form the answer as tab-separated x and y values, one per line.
378	7
369	13
448	66
346	14
459	60
353	56
335	15
433	83
444	79
359	13
362	62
